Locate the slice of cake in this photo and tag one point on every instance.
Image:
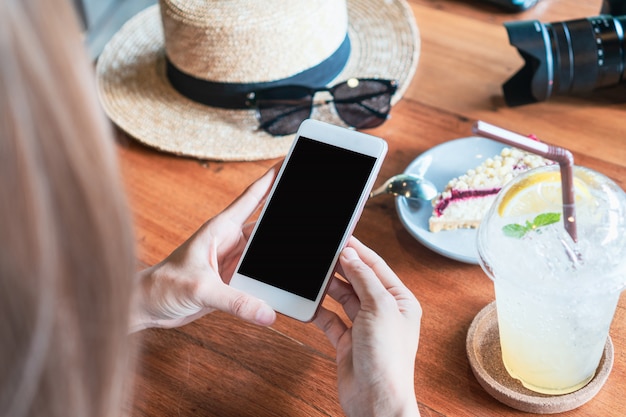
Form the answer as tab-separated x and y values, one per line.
466	199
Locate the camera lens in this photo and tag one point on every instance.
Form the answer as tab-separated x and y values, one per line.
570	57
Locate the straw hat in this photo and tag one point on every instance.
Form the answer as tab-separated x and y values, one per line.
227	48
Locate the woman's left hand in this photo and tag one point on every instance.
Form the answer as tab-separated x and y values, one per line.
193	280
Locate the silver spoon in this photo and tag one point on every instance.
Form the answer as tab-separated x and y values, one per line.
407	185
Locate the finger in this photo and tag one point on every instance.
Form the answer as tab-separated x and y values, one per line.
251	199
344	294
385	274
247	230
330	323
392	284
363	279
239	304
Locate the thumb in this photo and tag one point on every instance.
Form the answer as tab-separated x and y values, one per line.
242	305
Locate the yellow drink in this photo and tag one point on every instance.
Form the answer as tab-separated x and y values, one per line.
552	344
555	297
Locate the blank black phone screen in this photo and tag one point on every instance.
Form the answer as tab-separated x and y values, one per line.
305	220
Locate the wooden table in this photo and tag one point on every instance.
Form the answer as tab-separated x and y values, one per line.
219	366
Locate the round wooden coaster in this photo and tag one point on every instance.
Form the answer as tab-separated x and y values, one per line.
485	357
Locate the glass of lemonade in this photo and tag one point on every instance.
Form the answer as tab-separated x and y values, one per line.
555	297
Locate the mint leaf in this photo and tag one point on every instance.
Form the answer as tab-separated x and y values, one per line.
514	230
519	230
546	219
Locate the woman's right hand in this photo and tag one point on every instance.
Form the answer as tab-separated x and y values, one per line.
376	354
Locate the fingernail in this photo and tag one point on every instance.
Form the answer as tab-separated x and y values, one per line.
350	254
265	315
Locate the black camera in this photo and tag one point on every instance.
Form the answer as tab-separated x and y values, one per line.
572	57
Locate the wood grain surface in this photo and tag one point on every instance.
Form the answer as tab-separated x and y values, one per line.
220	366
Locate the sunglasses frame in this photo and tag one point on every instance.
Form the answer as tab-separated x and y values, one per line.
391	86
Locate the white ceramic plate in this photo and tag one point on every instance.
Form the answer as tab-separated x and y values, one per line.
440	164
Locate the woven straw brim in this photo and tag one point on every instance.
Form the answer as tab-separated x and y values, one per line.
137	96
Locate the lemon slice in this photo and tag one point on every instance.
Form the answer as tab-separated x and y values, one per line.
539	193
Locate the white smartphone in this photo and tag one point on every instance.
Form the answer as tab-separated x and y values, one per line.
311	211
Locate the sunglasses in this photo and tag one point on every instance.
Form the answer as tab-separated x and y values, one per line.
360	103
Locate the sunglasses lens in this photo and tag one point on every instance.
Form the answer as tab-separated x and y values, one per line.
364	103
281	110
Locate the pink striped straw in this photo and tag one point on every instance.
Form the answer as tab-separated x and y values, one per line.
555	153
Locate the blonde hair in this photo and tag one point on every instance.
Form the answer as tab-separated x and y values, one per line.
66	258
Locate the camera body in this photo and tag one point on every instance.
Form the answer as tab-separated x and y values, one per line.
571	57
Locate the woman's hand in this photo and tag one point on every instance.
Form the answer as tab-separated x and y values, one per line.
376	355
193	280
